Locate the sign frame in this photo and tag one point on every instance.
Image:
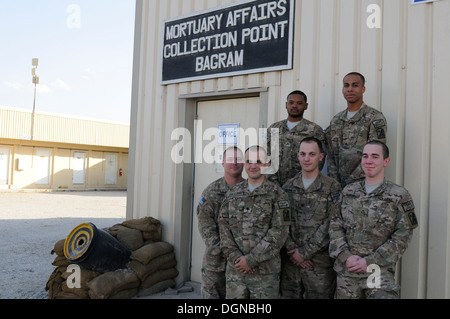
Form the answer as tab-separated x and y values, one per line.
176	52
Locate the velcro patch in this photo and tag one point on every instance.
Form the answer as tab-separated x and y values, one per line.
381	133
408	206
202	200
379	123
335	196
285	216
284	204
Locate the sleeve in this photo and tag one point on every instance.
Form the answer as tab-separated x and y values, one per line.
321	239
207	225
338	248
332	166
228	245
320	135
378	128
275	238
392	250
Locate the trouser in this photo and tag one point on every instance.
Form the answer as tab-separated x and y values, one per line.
362	288
299	283
251	286
213	284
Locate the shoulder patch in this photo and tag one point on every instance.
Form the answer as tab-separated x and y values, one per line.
411	218
284	204
379	123
381	133
408	206
202	200
335	197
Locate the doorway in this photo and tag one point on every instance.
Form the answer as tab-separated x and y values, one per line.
240	117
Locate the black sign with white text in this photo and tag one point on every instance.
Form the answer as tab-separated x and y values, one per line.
248	37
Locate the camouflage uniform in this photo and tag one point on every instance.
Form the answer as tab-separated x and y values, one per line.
346	140
377	227
289	144
213	268
254	225
311	211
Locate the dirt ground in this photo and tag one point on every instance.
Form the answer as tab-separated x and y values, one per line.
31	223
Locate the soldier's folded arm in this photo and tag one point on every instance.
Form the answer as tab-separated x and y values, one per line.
339	248
269	246
391	251
229	247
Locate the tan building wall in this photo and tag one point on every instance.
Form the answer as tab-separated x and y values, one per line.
65	153
406	64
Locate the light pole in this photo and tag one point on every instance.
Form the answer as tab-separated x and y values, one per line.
35	63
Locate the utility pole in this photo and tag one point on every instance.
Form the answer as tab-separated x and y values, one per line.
35	63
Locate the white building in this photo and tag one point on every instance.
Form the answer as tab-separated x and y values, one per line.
220	68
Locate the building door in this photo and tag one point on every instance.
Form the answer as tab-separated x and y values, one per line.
214	118
111	169
79	168
4	166
43	165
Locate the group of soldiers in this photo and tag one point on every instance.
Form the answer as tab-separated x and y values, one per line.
301	234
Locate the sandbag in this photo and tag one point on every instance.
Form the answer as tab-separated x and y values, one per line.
130	238
85	276
60	262
80	292
58	249
111	283
54	282
159	263
126	294
145	254
158	276
157	288
146	224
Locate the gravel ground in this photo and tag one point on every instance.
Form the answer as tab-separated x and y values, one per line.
31	223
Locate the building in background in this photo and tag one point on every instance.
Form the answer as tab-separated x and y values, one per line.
191	75
65	153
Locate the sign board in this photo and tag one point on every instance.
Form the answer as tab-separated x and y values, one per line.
228	134
241	38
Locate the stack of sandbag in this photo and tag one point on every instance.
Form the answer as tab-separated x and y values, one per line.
152	266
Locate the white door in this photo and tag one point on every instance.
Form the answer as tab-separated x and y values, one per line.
111	169
43	165
212	115
79	168
4	166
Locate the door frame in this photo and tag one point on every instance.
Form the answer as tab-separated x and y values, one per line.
184	191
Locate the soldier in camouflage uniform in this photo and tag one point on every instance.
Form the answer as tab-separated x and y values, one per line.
291	132
254	224
350	130
307	270
372	231
213	267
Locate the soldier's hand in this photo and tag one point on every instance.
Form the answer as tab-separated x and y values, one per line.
242	266
295	257
356	264
308	264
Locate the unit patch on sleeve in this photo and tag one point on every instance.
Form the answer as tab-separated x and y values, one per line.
408	208
285	212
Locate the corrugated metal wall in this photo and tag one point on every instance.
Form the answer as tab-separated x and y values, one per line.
16	124
407	69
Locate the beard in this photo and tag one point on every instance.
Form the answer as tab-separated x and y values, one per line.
297	115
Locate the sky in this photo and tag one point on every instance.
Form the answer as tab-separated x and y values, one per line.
85	52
